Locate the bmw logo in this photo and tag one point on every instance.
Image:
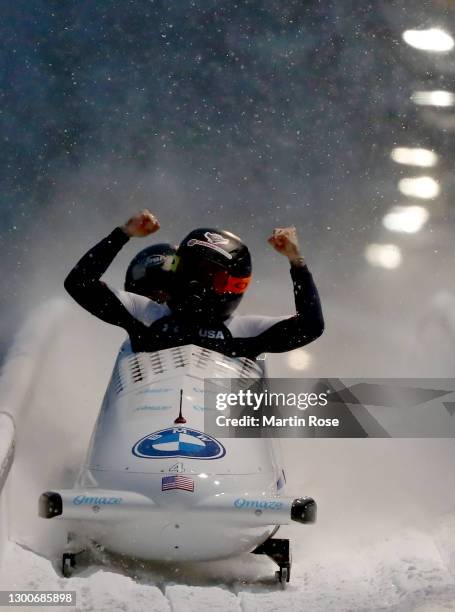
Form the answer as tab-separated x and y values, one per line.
180	442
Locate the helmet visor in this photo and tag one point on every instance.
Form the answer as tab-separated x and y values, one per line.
212	276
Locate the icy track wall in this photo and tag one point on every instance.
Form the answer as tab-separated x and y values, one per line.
6	459
21	368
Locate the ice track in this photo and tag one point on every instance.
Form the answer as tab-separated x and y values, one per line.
385	539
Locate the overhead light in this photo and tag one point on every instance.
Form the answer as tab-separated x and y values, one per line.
437	97
406	219
432	39
423	187
414	156
383	256
299	359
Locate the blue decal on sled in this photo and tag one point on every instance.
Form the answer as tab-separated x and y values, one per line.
178	442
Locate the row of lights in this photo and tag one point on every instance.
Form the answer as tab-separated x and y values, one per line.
410	219
432	40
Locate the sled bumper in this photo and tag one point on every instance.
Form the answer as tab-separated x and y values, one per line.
105	505
94	504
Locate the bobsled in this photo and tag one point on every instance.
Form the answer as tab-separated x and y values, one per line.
156	485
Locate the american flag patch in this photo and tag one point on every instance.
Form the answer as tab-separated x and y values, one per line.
177	482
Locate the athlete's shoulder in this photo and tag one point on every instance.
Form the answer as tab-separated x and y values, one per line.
140	307
247	326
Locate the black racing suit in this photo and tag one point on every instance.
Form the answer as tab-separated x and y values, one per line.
238	336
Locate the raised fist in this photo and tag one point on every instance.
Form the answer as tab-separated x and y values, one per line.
284	240
141	224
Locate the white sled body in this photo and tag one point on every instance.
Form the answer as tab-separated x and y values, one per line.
157	490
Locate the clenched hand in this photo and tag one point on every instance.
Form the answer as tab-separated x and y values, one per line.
141	224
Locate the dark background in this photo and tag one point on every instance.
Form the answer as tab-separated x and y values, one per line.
240	115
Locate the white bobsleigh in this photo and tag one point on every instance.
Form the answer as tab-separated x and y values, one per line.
155	486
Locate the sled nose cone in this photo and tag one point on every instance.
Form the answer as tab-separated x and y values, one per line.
304	510
50	504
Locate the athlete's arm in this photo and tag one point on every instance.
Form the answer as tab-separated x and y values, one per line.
308	322
83	282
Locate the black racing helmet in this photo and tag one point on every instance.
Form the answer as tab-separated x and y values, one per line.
212	272
150	273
